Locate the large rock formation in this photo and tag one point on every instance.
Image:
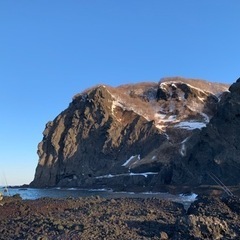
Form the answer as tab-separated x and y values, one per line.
140	135
216	149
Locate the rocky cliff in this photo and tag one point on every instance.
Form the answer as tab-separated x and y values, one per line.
141	135
216	148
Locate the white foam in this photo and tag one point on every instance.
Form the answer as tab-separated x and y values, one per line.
100	190
189	198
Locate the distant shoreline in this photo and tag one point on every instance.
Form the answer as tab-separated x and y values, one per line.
208	190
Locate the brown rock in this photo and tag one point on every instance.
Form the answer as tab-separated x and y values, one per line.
163	236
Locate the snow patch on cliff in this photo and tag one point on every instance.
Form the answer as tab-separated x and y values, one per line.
205	117
145	174
190	125
117	104
131	160
165	115
183	150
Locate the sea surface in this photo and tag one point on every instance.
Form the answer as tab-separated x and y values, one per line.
34	193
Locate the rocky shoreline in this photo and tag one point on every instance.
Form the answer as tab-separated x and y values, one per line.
209	217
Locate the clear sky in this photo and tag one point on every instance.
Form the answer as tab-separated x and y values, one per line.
51	50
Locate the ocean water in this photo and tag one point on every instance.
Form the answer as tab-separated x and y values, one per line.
34	193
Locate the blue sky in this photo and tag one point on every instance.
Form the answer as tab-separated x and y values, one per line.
51	50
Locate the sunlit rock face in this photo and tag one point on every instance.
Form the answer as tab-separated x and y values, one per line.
135	135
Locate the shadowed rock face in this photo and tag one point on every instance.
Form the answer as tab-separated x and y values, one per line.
86	140
216	148
139	135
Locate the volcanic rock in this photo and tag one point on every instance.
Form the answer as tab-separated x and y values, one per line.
216	149
140	136
123	218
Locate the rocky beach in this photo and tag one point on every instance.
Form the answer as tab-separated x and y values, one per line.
209	217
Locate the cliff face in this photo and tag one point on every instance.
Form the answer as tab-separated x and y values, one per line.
89	139
133	135
216	149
